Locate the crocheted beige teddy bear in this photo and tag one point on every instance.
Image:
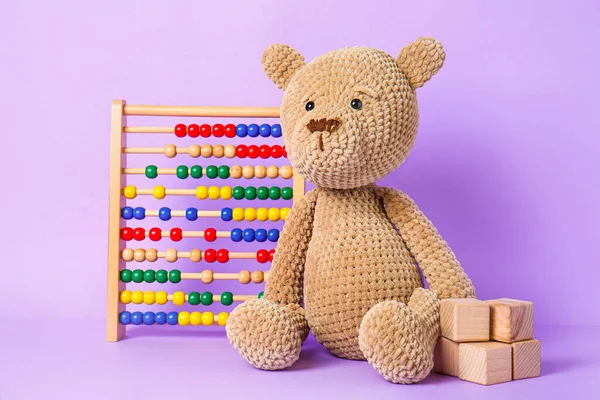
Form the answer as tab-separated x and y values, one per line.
347	262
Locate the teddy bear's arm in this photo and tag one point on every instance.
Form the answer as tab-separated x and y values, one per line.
284	285
437	261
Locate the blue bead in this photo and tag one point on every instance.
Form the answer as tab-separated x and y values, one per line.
172	318
261	235
160	318
236	235
137	318
276	130
226	214
125	317
241	130
191	214
248	235
149	318
253	130
164	214
139	213
273	235
265	130
127	213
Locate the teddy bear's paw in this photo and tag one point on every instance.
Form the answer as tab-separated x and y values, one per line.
397	340
268	335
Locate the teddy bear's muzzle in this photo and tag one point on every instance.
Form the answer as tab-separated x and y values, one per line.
322	125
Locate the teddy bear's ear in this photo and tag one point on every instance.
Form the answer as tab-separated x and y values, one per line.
280	63
421	59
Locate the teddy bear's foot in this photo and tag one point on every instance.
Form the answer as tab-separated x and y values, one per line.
267	334
398	340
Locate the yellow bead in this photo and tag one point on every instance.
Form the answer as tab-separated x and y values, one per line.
214	192
201	192
274	214
159	192
284	212
208	318
179	298
196	318
137	297
226	192
250	214
262	214
183	318
126	297
222	318
149	297
130	192
161	297
238	214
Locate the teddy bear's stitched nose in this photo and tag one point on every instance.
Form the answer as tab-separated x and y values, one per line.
323	124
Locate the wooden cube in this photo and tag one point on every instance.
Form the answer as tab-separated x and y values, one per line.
511	320
486	363
526	359
465	320
446	357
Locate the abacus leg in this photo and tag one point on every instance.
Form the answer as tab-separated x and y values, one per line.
398	340
266	334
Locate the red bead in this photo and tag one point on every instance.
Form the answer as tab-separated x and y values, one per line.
271	254
176	234
284	152
230	130
155	234
180	130
210	255
241	151
262	256
139	234
218	130
205	130
276	151
222	255
253	151
264	151
127	234
193	130
210	234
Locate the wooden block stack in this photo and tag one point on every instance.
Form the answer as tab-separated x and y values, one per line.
487	342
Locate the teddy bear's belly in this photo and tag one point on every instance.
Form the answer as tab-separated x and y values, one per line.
355	260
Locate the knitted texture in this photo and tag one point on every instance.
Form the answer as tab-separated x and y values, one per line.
421	59
280	63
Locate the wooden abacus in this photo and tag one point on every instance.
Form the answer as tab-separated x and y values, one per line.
118	295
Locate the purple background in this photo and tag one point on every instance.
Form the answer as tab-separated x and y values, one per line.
506	163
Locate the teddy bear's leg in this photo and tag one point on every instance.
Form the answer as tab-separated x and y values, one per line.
266	334
398	340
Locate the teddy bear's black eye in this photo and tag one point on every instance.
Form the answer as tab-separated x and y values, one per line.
356	104
309	106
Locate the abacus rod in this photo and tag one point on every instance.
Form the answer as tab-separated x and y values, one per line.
181	213
201	111
149	129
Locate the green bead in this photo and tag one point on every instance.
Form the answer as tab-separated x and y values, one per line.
227	298
137	276
162	276
182	172
287	193
263	193
206	299
274	193
194	298
175	276
250	193
261	294
223	172
238	193
126	276
211	171
151	171
196	171
149	275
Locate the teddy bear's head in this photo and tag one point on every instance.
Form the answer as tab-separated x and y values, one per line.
350	117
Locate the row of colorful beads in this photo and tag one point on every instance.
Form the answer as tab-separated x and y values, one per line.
223	192
172	318
195	255
150	297
174	276
227	214
229	130
210	234
225	171
230	151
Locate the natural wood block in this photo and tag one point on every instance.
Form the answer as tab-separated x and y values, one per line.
526	359
486	363
511	320
446	357
465	320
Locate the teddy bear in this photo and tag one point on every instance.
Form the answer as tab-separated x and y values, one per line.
351	257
